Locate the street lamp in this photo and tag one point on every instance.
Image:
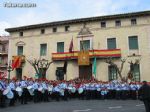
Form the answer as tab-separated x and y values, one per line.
9	69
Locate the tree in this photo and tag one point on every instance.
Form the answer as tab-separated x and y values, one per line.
119	70
40	66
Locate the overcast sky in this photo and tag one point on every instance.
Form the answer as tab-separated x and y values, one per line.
55	10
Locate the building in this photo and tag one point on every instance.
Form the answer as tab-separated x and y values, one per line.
117	36
4	41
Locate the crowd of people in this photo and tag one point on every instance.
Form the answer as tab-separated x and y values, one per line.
43	90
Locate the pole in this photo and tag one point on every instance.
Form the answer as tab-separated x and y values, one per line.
9	69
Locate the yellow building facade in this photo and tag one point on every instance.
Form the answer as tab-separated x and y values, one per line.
120	36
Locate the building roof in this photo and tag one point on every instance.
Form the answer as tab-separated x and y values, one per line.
80	20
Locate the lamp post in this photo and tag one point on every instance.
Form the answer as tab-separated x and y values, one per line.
9	69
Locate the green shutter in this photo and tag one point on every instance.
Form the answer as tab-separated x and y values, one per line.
136	72
133	42
112	73
60	47
111	43
85	44
20	50
43	49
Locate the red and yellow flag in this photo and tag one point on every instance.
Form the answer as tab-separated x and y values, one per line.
16	62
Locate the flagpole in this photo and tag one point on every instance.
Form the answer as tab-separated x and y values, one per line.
73	46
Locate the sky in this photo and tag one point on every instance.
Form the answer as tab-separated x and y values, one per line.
56	10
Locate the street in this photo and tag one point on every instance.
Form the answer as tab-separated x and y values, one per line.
80	106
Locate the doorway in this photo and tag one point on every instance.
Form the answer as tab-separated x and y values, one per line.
19	73
85	72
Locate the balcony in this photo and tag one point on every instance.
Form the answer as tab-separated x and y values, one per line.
3	65
21	56
92	53
2	52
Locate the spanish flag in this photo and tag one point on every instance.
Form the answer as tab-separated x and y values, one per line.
16	63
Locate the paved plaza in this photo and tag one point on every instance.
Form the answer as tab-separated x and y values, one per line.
80	106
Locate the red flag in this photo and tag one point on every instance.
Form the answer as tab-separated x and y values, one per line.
65	66
71	46
16	63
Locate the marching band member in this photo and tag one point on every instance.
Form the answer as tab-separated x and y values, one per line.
13	89
35	87
25	91
45	87
2	88
56	92
88	89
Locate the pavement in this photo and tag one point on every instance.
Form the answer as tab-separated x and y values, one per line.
80	106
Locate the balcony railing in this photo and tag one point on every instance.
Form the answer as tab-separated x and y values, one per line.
3	65
92	53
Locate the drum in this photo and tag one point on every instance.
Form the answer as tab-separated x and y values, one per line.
10	95
50	89
61	92
31	90
69	88
80	90
98	89
19	91
6	91
41	89
73	90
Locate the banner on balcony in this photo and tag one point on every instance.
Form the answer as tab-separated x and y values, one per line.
16	63
83	58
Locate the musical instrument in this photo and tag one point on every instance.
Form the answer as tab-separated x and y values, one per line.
50	88
31	90
8	93
41	89
19	91
61	92
80	90
73	90
98	89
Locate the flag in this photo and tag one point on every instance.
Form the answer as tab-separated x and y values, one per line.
94	67
16	63
65	66
71	46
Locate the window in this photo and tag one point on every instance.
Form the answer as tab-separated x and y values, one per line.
103	24
43	49
111	43
136	72
133	21
118	23
133	42
21	34
112	73
67	28
42	31
54	29
59	73
60	47
85	45
20	50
